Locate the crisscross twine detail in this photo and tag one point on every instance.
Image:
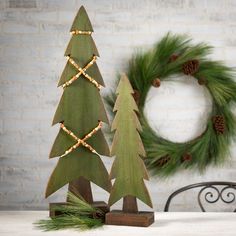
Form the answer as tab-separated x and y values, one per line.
82	71
81	141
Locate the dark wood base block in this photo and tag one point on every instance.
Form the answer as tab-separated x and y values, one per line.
99	204
142	218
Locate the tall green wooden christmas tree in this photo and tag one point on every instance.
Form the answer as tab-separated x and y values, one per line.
128	168
80	114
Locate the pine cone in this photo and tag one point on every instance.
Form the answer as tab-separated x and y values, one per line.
219	124
202	81
173	57
190	67
97	215
187	157
163	161
136	96
156	83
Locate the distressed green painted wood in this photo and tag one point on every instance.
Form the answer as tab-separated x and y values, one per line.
128	168
79	163
80	109
84	45
70	71
81	21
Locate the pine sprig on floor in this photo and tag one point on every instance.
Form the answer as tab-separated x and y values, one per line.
77	214
68	222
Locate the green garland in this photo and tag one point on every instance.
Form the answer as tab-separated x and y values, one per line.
76	214
175	54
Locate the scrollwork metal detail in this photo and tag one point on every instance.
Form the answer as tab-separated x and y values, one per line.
210	192
229	197
211	196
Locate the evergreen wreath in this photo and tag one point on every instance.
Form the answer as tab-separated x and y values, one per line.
175	54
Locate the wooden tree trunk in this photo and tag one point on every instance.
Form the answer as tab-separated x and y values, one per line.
130	204
83	187
129	215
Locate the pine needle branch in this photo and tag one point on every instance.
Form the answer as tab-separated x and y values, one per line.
77	214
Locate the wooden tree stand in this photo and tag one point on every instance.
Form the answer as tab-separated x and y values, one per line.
130	216
83	187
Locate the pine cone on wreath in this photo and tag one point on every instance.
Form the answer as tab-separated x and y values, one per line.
202	81
163	161
186	157
219	124
156	83
173	57
97	215
190	67
136	96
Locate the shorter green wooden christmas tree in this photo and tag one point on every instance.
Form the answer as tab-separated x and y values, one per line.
128	168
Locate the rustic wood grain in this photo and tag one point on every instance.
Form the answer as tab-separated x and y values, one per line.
142	219
130	204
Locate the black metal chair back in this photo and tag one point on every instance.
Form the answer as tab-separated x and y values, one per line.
211	192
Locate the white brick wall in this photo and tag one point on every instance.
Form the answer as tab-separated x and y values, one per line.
33	37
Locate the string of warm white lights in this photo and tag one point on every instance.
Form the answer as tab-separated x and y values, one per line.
82	71
80	141
76	32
